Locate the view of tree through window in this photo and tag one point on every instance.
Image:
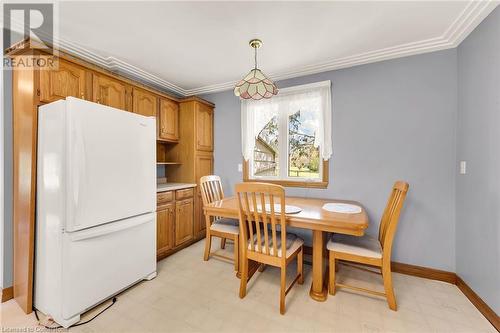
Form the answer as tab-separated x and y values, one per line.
266	152
287	139
303	156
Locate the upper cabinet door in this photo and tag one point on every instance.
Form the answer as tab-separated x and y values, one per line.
168	120
144	103
110	92
204	127
67	80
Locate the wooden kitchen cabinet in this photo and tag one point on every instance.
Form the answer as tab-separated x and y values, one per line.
204	119
175	216
204	166
165	220
168	120
199	225
110	92
68	80
195	150
183	221
144	102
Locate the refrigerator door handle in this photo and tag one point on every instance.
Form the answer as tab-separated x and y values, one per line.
80	176
111	227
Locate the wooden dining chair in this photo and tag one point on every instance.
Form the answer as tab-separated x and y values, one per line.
225	228
262	214
371	251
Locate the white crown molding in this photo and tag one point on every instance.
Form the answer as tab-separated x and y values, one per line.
460	28
110	63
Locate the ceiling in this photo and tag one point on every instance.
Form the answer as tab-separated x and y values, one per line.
200	47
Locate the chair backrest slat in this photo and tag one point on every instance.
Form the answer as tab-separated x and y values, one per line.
390	218
264	223
273	224
211	189
258	225
248	217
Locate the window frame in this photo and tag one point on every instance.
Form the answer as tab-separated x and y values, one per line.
283	143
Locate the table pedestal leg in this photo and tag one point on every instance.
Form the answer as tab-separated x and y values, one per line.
318	290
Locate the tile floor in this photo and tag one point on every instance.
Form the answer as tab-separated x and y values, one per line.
190	295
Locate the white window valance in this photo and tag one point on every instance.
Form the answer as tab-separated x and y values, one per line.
315	97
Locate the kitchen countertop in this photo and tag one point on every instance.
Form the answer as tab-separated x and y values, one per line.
172	186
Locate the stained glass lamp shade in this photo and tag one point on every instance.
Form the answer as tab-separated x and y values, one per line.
255	85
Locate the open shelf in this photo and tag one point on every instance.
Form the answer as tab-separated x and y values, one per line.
168	163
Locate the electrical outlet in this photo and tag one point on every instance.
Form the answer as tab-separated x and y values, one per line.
240	167
463	167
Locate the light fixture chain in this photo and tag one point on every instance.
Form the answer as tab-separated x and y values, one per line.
255	57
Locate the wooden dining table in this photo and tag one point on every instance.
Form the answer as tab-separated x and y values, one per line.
311	217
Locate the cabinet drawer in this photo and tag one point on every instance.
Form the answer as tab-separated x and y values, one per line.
183	194
163	197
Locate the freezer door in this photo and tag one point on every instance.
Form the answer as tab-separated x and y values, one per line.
111	164
101	261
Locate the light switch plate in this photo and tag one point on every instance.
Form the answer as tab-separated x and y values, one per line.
240	167
463	167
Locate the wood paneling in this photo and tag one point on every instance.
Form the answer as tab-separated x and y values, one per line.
110	92
165	220
168	120
24	153
67	80
183	221
144	102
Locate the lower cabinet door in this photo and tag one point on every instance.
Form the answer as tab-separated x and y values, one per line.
184	210
165	220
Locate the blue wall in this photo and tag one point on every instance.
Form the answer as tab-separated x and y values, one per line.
478	191
391	120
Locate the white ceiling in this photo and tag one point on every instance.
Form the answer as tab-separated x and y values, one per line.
198	47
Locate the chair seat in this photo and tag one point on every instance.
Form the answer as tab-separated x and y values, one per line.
230	226
365	246
292	243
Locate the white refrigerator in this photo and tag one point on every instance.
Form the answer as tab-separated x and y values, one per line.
96	202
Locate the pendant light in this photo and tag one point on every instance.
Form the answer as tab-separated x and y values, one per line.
255	85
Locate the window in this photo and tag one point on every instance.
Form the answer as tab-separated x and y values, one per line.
287	139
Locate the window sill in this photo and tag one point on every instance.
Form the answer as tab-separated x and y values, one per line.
290	183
